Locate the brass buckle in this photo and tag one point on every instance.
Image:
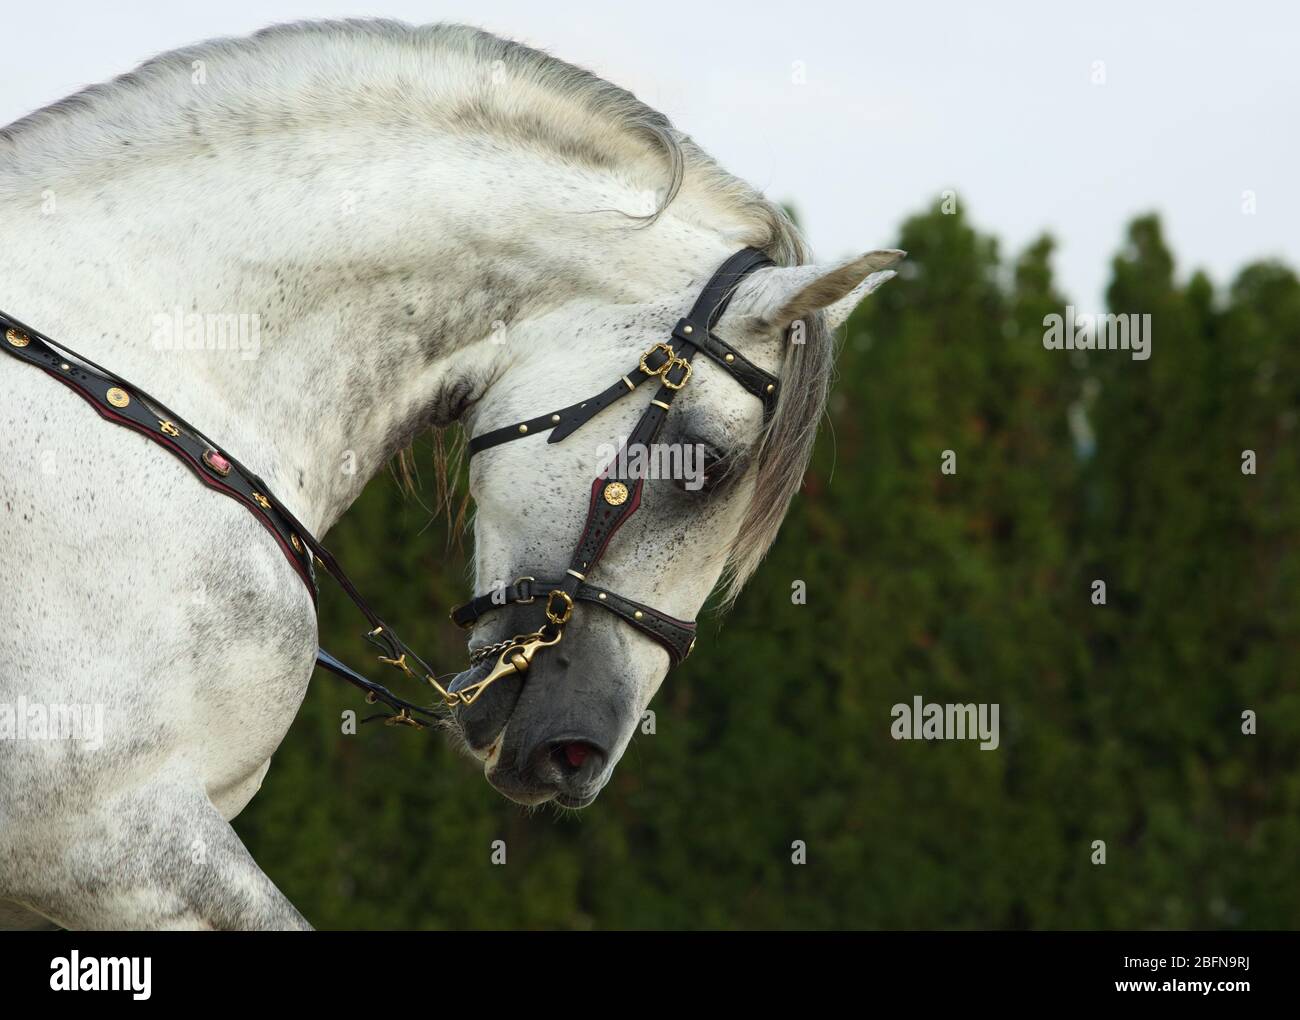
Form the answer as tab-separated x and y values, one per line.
667	349
663	370
669	367
451	615
558	619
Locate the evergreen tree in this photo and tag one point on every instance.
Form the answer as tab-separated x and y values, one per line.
1119	721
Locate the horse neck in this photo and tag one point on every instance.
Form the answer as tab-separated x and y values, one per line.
363	286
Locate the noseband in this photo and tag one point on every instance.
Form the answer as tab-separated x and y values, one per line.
615	493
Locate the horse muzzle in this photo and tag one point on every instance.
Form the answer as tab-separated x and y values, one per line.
554	731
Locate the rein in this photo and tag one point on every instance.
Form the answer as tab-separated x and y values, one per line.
614	496
123	403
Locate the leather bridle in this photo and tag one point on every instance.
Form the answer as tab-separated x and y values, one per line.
615	493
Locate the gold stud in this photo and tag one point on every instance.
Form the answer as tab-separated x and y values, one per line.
117	397
17	337
729	358
688	329
261	501
523	430
601	596
555	418
65	366
615	493
638	614
771	387
297	545
168	429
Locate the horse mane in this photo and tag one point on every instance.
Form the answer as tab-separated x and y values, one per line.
460	79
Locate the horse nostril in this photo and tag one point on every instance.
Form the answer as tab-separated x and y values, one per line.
576	760
576	753
564	766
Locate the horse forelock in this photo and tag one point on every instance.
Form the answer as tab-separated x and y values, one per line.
784	451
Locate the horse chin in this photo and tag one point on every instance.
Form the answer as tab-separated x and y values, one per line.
507	783
511	785
575	803
482	725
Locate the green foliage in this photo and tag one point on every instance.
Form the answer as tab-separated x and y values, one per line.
1119	722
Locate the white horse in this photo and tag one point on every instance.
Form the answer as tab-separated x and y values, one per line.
426	226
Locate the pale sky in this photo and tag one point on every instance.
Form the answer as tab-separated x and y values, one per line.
860	113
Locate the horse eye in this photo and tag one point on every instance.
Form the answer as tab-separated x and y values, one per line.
703	469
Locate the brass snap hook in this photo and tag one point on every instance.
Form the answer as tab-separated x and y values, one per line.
516	658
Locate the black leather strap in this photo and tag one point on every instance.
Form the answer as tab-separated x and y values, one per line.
676	636
567	420
721	288
615	496
118	401
694	331
761	384
123	403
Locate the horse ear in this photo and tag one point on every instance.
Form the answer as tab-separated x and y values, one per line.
796	293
